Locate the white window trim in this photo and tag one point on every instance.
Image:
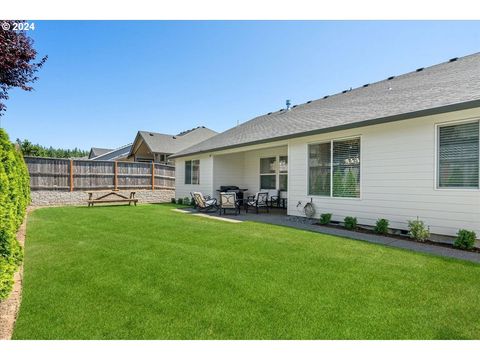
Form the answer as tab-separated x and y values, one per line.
331	140
277	170
437	127
191	171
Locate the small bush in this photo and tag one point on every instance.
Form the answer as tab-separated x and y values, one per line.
173	201
381	227
465	239
350	223
186	201
180	201
325	218
418	230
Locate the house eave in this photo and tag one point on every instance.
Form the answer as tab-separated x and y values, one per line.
377	121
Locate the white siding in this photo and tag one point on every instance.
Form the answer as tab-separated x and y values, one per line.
206	172
228	170
251	177
397	178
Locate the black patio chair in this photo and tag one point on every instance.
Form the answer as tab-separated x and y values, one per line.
203	204
260	200
229	201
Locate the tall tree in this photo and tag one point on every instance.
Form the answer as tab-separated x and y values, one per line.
17	61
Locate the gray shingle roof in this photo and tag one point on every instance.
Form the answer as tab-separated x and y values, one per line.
94	152
119	153
437	87
169	144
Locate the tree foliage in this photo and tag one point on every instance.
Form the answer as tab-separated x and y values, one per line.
17	61
29	149
14	198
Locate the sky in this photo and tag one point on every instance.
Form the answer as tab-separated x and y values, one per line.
106	80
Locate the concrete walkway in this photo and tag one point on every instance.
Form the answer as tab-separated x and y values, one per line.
279	217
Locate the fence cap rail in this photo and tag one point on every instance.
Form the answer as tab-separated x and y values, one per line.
99	161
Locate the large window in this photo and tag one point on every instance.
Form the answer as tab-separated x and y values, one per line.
268	177
192	172
458	156
334	168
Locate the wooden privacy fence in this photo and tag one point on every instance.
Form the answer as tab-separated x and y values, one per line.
65	174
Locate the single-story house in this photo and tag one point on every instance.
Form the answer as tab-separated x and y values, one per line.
155	147
118	154
401	148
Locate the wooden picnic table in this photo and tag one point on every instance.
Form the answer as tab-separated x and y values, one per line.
107	198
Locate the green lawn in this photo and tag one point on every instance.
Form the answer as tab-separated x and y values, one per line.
147	272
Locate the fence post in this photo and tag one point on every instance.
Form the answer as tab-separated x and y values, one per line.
115	178
71	175
153	176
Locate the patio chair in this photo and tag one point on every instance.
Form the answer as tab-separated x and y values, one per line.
260	200
228	200
272	196
203	204
279	201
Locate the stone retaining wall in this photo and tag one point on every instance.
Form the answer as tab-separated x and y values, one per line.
45	197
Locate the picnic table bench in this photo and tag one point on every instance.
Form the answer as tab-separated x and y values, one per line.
107	198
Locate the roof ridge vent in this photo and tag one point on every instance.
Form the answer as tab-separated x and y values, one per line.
326	96
366	85
419	69
453	59
391	78
309	101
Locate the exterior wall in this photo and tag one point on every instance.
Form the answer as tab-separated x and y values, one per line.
143	153
48	198
398	167
206	177
251	169
228	170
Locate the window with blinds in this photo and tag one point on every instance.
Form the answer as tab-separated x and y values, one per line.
334	168
346	168
458	156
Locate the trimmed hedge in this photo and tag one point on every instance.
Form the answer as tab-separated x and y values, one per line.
14	198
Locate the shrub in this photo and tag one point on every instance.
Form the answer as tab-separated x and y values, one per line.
180	201
381	227
186	201
465	239
14	198
325	218
350	223
173	201
418	230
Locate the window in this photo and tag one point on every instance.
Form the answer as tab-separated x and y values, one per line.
336	162
458	156
319	168
192	172
346	168
268	177
283	173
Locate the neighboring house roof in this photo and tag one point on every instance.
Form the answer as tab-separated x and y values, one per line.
169	144
119	153
94	152
444	87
